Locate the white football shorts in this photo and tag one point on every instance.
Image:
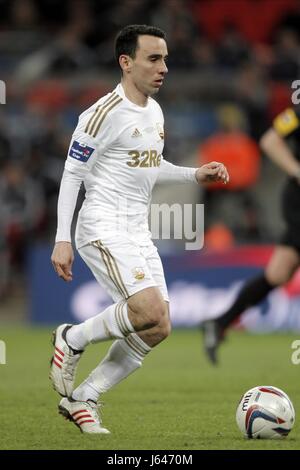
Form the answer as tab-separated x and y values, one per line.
122	267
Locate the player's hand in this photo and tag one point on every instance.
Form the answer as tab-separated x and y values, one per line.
62	260
213	171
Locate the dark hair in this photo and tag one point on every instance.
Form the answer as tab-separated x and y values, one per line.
127	39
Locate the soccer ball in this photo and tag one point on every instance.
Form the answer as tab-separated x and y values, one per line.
265	412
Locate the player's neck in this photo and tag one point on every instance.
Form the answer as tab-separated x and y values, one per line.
133	94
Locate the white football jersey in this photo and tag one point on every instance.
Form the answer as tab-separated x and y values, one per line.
117	148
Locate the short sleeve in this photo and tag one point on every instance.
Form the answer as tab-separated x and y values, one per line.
287	123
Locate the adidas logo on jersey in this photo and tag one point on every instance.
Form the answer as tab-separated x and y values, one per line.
136	133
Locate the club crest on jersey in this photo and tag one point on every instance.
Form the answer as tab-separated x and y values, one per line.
160	130
80	152
138	274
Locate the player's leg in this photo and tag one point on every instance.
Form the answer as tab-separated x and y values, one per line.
126	356
157	333
149	306
113	265
280	269
282	265
147	309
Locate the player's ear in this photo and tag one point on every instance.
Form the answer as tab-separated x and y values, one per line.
125	62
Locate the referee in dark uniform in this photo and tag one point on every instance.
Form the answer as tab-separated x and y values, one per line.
281	143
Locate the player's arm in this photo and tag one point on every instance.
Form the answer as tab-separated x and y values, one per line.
81	157
214	171
274	145
62	256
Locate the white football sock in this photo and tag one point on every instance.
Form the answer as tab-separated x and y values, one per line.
113	322
123	358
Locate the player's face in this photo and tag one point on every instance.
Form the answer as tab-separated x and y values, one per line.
148	68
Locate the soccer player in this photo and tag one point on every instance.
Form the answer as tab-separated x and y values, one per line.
116	150
281	143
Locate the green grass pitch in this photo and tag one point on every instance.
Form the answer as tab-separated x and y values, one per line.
175	401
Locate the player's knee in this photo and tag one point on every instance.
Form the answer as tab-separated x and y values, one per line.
154	315
162	331
165	329
164	326
148	314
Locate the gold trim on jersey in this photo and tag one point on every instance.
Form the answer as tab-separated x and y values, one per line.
117	270
105	261
112	268
101	108
100	113
286	122
104	113
92	118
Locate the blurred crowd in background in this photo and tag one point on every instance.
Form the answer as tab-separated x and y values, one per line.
231	66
